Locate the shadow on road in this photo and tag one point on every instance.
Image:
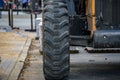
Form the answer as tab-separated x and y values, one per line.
94	72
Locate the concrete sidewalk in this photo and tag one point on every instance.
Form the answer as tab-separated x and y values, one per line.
13	51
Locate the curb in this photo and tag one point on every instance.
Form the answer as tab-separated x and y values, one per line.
20	62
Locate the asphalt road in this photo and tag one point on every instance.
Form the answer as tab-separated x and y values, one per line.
94	72
97	66
84	66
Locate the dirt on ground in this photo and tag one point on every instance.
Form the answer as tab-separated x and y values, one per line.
32	69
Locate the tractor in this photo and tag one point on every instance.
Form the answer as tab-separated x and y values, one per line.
92	24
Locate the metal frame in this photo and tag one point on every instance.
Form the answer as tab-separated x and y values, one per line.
10	16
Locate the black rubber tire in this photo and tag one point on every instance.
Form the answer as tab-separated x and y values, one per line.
56	61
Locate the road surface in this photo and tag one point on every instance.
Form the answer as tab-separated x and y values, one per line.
84	66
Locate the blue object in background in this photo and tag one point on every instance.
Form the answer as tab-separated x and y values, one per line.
1	6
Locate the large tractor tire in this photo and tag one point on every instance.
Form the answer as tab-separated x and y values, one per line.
55	40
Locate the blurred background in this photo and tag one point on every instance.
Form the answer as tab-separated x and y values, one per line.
20	14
